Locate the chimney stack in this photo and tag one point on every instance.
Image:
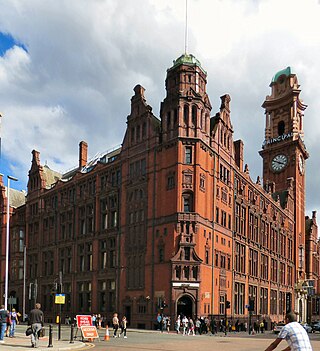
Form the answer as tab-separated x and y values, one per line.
83	154
238	154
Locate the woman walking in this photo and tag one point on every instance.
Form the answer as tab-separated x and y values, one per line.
123	327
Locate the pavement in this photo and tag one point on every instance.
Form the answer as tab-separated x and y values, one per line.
22	342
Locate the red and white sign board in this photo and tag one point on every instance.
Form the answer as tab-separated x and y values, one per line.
84	320
89	332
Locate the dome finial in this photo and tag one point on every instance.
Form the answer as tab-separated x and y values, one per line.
186	31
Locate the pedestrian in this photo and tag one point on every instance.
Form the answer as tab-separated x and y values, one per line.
159	321
115	323
14	316
8	323
163	324
177	325
191	326
168	324
262	327
98	321
197	326
295	335
3	322
36	320
94	319
184	325
123	327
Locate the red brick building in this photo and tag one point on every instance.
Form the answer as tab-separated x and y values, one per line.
171	221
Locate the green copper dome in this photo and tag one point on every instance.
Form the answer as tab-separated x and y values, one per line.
286	72
187	59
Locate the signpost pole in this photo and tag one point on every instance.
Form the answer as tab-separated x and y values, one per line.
60	287
59	325
225	316
60	300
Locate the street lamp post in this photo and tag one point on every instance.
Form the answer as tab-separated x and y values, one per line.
7	244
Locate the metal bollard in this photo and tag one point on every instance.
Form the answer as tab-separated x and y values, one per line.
71	334
50	336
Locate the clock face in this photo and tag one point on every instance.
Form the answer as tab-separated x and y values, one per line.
301	164
279	162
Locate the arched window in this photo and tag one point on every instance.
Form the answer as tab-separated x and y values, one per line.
194	115
178	272
186	114
175	117
281	128
186	272
187	200
195	273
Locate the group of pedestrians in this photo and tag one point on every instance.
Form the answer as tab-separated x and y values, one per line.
164	323
97	321
184	325
116	324
8	322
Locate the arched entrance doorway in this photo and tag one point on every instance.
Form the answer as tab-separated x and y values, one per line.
185	306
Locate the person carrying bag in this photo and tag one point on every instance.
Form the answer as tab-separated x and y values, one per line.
36	321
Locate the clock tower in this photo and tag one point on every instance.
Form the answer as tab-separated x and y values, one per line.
284	152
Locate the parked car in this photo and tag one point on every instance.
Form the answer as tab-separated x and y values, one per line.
307	327
278	327
315	327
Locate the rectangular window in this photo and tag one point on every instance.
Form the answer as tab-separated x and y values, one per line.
171	181
263	300
239	301
207	256
217	214
161	254
143	167
222	304
186	204
188	155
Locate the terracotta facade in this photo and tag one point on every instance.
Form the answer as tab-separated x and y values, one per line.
172	222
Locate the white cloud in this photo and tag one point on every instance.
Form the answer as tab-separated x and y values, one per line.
84	58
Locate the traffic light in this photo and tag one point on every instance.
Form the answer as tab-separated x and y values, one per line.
163	304
228	304
251	305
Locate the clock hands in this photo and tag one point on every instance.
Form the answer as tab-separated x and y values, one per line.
279	162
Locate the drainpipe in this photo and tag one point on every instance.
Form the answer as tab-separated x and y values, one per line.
212	237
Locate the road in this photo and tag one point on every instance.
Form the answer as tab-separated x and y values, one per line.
172	342
156	341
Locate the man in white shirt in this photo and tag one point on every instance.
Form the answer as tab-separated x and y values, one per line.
295	335
115	322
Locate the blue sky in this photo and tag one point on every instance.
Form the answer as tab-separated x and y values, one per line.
6	167
83	59
7	42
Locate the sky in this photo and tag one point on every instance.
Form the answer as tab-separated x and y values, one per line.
68	69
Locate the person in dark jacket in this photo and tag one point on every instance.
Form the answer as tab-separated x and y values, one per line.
36	320
3	322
